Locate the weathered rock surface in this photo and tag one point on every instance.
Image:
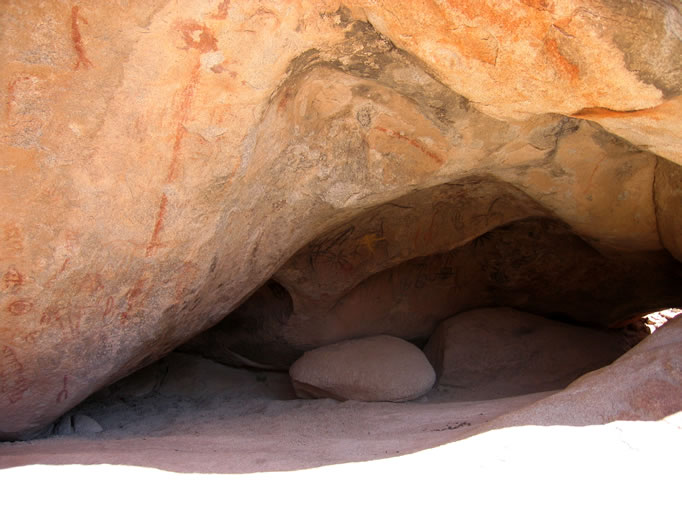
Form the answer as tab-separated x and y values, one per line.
161	161
645	384
499	352
330	294
381	368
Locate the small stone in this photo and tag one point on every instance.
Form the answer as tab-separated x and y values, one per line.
64	426
379	368
86	425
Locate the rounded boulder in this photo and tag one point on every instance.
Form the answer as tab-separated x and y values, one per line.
379	368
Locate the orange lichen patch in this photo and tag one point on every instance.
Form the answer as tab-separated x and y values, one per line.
77	39
560	62
197	36
413	142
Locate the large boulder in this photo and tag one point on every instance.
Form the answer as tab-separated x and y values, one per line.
498	352
645	384
381	368
160	161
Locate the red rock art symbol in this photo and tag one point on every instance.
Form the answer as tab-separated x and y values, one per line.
11	94
109	307
197	36
186	276
77	39
68	320
134	298
31	337
71	238
154	242
64	393
13	238
91	283
221	13
186	97
414	143
20	307
58	273
560	62
12	279
13	384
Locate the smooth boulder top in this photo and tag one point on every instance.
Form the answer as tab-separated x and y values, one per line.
379	368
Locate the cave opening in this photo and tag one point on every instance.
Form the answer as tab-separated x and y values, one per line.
506	302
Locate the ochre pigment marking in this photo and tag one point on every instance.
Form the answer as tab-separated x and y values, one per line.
91	283
63	394
221	13
11	94
284	101
560	62
58	273
369	240
426	237
588	185
540	5
20	307
186	277
66	317
108	307
13	384
78	40
186	97
160	216
13	240
12	279
197	36
133	299
495	15
412	142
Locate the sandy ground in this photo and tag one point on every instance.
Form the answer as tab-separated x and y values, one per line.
187	414
188	432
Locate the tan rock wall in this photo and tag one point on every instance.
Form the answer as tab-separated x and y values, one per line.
157	158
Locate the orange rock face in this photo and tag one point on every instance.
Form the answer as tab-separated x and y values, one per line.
160	161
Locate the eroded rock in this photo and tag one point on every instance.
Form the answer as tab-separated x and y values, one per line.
335	288
161	162
493	353
380	368
645	384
